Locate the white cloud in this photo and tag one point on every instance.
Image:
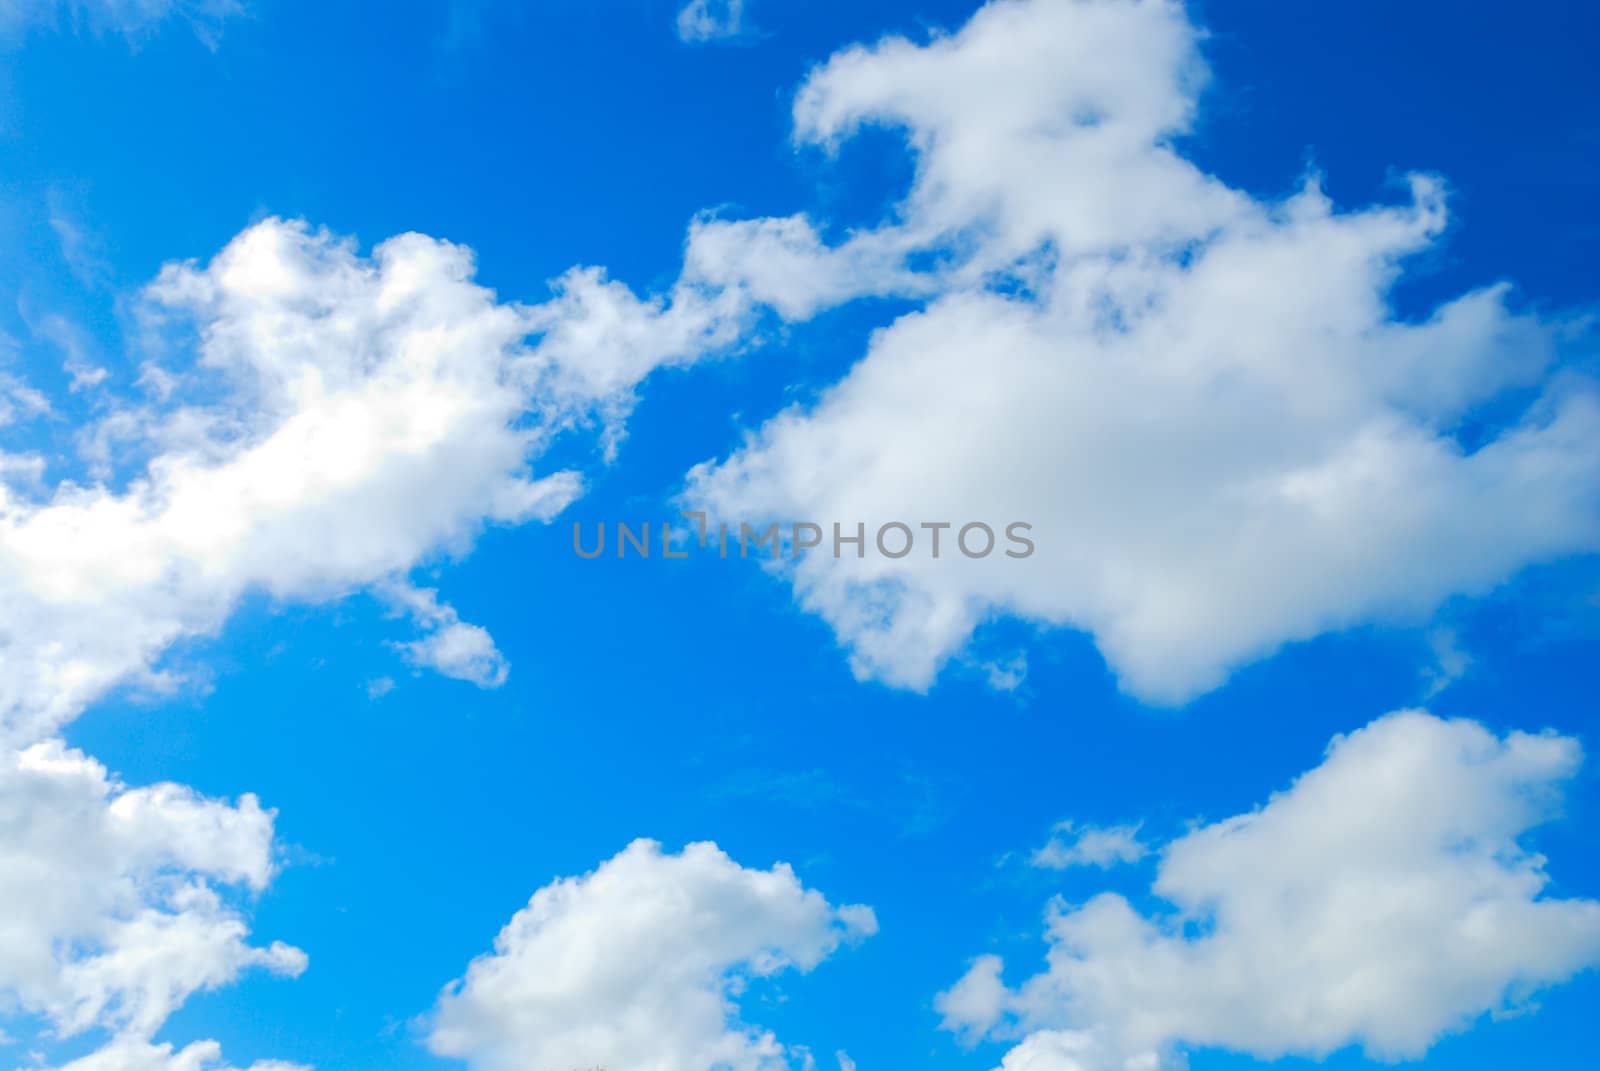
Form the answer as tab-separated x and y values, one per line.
460	650
1073	845
1041	120
19	401
118	900
709	20
128	1055
783	263
598	340
346	418
450	646
1068	1050
1222	433
1383	900
639	965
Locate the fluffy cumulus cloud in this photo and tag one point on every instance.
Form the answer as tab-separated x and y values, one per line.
347	416
121	902
1223	435
639	964
1383	900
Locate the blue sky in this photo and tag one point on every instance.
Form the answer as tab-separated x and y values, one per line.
286	516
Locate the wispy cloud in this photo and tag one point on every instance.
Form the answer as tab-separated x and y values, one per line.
710	20
1073	845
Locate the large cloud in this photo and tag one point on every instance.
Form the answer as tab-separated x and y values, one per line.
1222	433
639	964
1385	899
346	418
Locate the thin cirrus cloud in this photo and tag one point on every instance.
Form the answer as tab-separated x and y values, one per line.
1385	899
639	964
1223	435
132	18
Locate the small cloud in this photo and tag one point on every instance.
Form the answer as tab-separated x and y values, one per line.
451	647
1450	662
1006	675
379	687
462	651
710	20
19	401
1072	845
84	376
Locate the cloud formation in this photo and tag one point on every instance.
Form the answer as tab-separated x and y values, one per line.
320	422
640	964
1223	434
120	901
347	417
1385	899
1225	437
